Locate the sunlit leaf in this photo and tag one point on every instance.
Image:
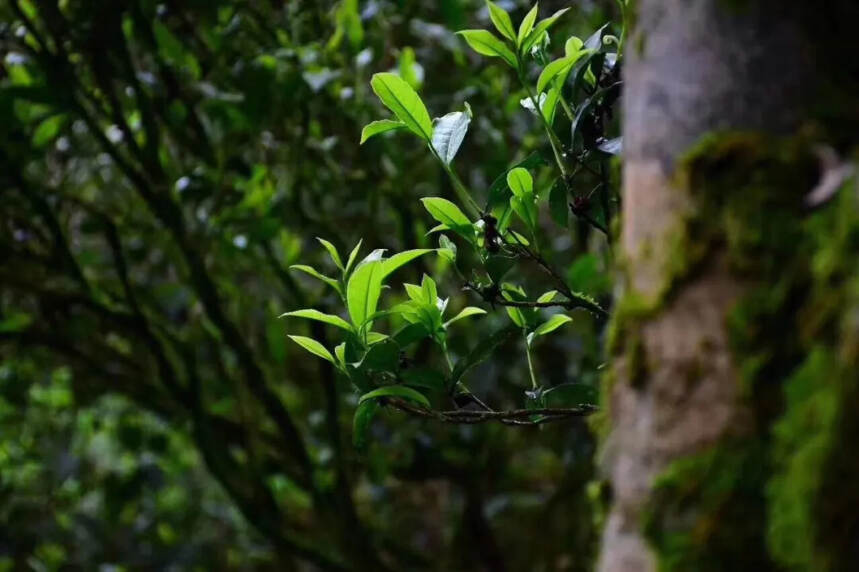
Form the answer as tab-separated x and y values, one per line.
465	313
332	251
516	315
447	249
313	347
429	289
404	102
316	274
526	26
526	208
402	258
557	69
311	314
552	324
520	181
537	33
486	43
352	257
573	45
547	296
363	290
381	126
446	212
501	20
499	190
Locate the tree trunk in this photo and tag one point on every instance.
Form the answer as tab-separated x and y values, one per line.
736	339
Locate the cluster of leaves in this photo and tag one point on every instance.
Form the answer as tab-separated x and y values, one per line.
377	363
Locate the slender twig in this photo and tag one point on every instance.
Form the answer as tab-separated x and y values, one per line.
579	300
522	417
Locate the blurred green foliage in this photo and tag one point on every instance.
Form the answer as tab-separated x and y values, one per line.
161	167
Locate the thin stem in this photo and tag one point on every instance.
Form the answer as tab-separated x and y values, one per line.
447	356
553	139
530	364
461	190
521	417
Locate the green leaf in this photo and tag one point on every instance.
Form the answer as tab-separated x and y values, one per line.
352	257
361	423
375	338
558	208
400	391
520	182
381	126
447	249
311	314
313	347
408	67
526	26
404	102
340	354
573	45
498	191
363	291
547	296
516	315
556	69
539	30
316	274
446	212
526	208
552	324
448	133
501	19
402	258
429	290
550	103
486	43
332	251
416	293
481	352
48	130
465	313
519	238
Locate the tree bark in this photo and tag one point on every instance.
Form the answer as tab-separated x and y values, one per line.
723	317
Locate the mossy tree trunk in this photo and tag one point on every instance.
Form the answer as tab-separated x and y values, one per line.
732	405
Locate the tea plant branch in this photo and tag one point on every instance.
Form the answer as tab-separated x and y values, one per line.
496	299
580	300
521	417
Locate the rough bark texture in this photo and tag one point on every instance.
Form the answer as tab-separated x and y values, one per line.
725	312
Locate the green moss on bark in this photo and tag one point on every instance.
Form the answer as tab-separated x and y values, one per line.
707	512
783	497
